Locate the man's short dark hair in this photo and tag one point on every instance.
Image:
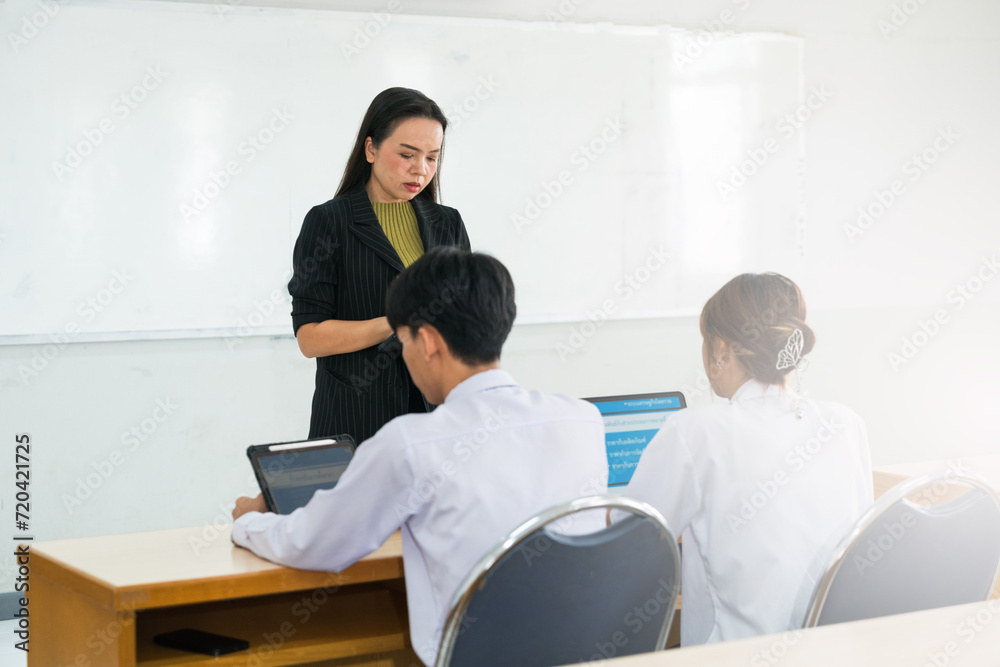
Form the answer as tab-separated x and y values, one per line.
467	296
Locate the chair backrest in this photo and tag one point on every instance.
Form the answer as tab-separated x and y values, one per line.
932	541
547	598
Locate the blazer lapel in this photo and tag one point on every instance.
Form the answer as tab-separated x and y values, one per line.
427	219
366	227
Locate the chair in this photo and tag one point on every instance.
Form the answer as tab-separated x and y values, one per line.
546	598
932	541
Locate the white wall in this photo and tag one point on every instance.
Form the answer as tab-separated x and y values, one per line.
889	97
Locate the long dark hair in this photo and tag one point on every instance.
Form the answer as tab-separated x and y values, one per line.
385	113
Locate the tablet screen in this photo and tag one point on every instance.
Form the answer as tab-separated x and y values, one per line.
290	474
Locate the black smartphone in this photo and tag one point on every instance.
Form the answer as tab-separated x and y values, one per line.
199	641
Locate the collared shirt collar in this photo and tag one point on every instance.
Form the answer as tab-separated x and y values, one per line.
754	389
483	381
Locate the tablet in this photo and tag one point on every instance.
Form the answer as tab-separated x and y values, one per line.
289	473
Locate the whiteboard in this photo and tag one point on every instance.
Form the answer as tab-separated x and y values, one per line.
163	156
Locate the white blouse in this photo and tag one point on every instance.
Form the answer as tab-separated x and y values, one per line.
761	498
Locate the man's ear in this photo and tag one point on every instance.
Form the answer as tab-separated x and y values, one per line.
431	341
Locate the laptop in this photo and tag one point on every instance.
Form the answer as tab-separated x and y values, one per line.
630	422
289	473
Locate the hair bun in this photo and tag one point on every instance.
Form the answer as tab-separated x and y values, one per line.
758	316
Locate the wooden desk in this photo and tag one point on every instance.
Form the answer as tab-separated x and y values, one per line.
987	467
99	601
961	636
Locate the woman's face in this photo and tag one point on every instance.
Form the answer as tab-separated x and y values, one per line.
405	162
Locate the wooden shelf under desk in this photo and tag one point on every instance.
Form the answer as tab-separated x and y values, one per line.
286	629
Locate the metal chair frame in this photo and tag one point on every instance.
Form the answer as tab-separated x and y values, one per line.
472	581
894	495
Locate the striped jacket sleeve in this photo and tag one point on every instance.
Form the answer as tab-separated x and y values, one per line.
315	260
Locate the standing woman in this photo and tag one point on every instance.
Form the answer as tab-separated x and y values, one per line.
384	216
763	486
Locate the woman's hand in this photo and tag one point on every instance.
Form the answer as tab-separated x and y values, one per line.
322	339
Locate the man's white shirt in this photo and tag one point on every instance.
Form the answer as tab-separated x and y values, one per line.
761	498
455	481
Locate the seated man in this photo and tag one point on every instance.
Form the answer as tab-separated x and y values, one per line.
455	480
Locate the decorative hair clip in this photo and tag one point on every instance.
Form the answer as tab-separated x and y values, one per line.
791	357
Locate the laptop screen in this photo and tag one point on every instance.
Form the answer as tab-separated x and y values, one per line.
630	422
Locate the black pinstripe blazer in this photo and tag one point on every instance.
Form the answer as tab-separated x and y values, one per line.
343	264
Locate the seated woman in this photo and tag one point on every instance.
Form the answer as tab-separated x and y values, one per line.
762	487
